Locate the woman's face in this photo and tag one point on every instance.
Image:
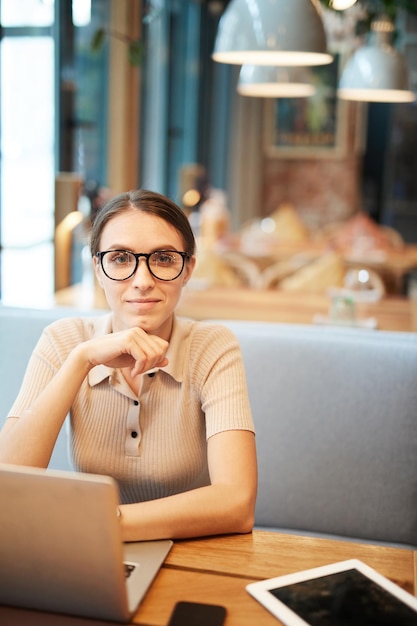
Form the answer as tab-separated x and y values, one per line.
142	300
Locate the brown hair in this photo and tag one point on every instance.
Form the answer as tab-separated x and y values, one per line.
147	202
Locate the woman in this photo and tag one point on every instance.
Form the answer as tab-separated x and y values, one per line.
157	402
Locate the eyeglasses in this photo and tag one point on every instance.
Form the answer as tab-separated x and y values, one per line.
162	264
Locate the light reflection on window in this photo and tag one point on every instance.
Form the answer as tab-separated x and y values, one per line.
27	12
27	141
81	12
27	276
27	120
27	153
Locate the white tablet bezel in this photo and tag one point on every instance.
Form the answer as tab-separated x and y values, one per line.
260	590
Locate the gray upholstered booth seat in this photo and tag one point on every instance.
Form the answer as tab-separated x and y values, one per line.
336	417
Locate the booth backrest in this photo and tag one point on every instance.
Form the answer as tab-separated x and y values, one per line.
336	418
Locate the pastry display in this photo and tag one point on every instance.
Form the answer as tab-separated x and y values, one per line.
361	235
289	227
317	277
283	227
212	270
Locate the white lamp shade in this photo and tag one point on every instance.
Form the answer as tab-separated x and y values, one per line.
274	82
271	32
377	72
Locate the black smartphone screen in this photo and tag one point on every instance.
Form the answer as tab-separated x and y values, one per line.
197	614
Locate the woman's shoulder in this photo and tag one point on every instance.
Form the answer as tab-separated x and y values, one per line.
205	332
78	328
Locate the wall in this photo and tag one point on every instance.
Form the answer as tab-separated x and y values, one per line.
322	189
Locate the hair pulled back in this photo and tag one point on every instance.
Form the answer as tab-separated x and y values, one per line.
147	202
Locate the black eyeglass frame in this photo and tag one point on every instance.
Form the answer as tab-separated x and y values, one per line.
185	256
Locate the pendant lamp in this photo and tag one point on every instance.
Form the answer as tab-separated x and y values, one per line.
377	72
341	5
271	32
274	82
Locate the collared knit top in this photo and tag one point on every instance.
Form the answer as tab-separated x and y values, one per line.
153	444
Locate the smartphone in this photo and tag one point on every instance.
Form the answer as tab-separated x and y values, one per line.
197	614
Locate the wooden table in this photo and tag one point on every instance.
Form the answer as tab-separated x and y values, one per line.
216	570
239	303
391	313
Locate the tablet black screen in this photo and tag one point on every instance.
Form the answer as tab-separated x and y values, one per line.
345	599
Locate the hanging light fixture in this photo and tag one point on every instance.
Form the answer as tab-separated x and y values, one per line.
274	82
341	5
377	72
271	32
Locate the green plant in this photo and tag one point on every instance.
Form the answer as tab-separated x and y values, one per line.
389	6
134	46
375	7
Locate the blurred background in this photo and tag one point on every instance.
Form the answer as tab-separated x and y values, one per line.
102	96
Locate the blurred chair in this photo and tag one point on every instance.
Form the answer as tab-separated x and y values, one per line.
63	248
68	186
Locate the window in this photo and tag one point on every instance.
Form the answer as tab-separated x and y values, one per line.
53	117
27	149
185	95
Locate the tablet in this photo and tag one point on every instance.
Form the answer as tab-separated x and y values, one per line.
347	593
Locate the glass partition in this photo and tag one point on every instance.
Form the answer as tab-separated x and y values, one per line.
53	118
27	150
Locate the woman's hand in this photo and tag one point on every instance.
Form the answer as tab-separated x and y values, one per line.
30	439
132	348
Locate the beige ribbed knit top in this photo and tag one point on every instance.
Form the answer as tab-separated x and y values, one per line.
154	444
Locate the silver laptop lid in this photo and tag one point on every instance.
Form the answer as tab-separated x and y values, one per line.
60	545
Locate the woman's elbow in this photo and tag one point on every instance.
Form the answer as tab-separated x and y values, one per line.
244	517
246	524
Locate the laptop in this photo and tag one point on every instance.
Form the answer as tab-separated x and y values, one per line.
60	546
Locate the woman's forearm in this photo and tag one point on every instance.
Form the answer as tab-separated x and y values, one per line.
211	510
227	505
30	439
